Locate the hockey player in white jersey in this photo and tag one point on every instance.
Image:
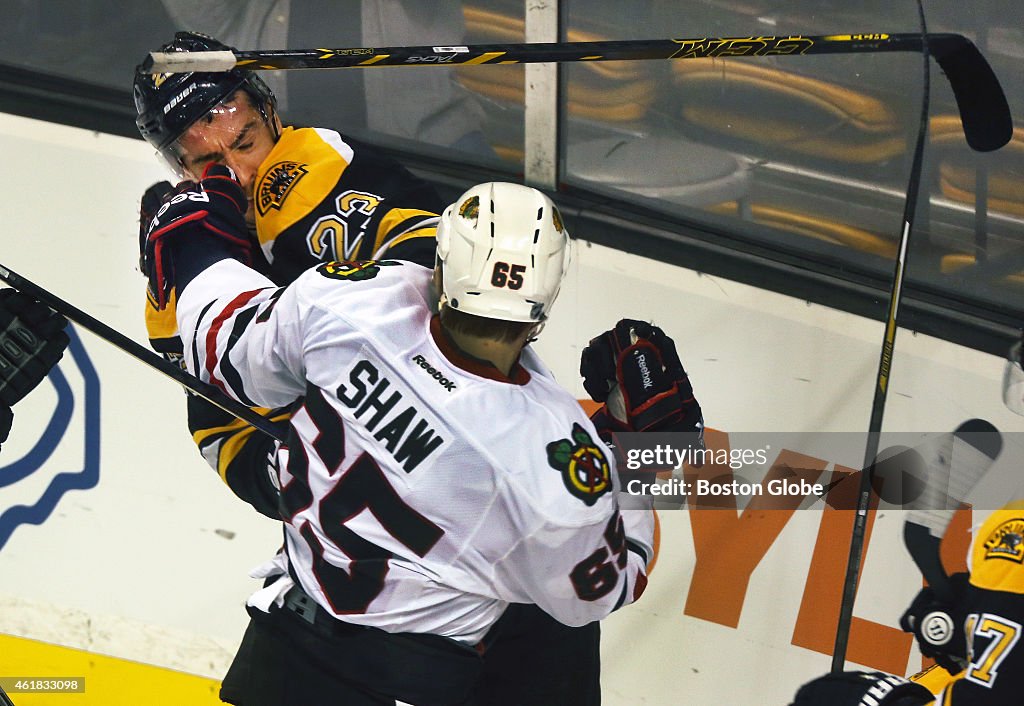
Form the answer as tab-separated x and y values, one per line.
436	472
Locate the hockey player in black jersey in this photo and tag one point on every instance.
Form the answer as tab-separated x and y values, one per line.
314	196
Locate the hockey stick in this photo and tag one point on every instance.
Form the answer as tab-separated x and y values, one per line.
956	463
979	97
203	389
882	378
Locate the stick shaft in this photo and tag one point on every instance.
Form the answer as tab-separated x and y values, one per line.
882	377
984	111
638	49
116	338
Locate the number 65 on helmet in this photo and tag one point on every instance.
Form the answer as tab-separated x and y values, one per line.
504	251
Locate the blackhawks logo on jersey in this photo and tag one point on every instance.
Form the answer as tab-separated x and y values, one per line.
1007	541
276	184
584	467
354	270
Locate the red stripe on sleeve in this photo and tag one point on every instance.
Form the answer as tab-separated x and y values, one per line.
211	335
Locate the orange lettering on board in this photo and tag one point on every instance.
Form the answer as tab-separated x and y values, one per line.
870	644
728	547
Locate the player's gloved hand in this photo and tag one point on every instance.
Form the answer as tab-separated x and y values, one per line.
152	200
6	419
640	361
32	340
215	207
938	626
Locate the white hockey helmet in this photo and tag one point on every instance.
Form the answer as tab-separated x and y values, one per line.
504	251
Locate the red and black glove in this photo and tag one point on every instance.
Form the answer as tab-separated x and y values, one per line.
32	340
152	200
938	626
215	207
642	361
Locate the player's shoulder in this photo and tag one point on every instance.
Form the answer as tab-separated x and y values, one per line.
556	459
370	287
997	555
303	169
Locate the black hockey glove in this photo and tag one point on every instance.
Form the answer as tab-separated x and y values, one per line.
152	200
860	688
938	626
214	207
32	340
642	361
6	419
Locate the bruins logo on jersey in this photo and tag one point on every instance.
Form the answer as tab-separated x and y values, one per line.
276	184
1007	541
470	208
355	271
584	467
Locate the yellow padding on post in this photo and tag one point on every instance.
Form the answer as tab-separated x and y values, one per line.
108	681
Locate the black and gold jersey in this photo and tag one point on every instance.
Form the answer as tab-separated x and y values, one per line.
317	197
994	619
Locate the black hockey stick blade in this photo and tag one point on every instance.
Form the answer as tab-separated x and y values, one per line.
984	112
118	339
924	550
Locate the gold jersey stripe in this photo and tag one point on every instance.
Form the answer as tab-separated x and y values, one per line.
161	324
430	232
392	220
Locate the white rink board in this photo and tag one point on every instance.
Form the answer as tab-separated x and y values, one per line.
150	564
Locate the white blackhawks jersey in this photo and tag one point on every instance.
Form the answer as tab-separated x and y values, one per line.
424	490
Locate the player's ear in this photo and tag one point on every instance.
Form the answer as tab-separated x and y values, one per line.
435	281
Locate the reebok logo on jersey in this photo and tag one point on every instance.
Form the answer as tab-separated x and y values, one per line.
584	468
276	184
436	374
645	372
1007	541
